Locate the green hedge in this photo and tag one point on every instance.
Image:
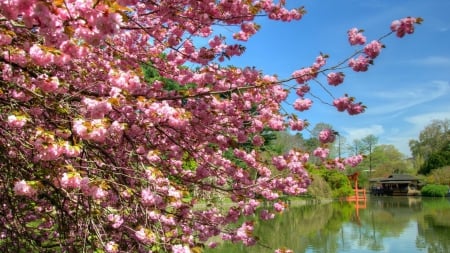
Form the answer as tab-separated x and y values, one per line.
434	190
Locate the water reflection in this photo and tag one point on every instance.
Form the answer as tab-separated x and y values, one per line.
383	224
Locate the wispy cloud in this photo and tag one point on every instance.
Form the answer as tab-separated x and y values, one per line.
440	61
401	99
419	122
359	133
414	125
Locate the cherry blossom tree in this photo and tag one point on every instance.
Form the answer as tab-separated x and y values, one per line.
114	123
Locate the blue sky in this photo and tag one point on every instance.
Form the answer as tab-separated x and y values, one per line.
406	88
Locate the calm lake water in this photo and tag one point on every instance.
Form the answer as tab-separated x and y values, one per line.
384	224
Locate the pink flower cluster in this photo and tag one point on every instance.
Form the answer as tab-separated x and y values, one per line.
95	130
96	109
50	147
178	248
115	219
145	235
302	90
71	180
353	160
322	153
112	247
347	103
23	188
335	78
405	25
302	104
355	37
247	30
360	64
371	51
327	136
16	121
245	234
150	198
42	57
306	74
297	124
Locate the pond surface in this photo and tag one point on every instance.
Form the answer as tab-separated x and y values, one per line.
383	224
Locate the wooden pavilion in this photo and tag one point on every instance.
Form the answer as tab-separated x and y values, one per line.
395	185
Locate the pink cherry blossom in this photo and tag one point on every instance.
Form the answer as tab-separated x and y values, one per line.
5	39
258	140
304	75
279	206
115	219
297	125
112	247
404	26
150	198
266	215
178	248
302	104
327	136
22	188
355	37
342	103
360	64
353	160
71	180
321	60
145	235
17	121
321	152
373	49
279	162
97	192
302	90
39	56
335	78
244	234
356	108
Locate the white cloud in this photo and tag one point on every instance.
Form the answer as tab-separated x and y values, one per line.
440	61
399	133
401	99
415	124
419	122
359	133
401	143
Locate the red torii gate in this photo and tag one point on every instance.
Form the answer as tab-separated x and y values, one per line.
360	194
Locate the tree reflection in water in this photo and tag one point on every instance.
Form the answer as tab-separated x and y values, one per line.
387	224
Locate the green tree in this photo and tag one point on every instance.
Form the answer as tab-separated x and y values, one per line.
285	141
436	160
431	139
354	148
368	144
338	182
439	176
337	149
386	159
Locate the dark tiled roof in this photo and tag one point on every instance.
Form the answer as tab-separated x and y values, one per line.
395	177
400	177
